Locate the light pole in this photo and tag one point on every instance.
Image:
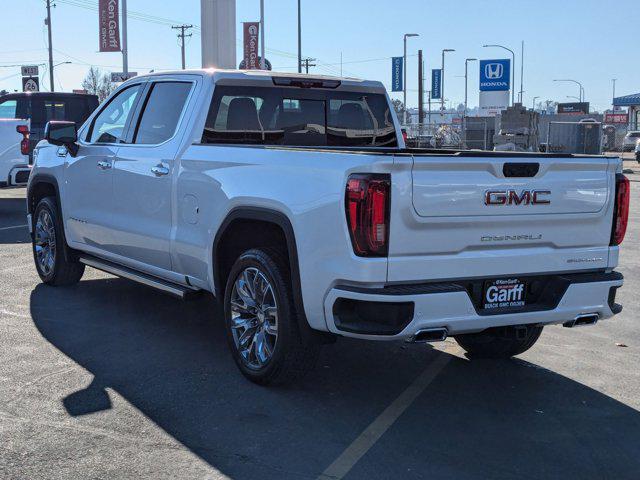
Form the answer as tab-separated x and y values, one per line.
613	99
513	69
299	38
580	92
446	50
466	63
404	68
533	106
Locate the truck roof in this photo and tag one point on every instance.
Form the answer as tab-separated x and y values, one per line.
265	78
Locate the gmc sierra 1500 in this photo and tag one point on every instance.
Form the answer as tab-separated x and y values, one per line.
295	202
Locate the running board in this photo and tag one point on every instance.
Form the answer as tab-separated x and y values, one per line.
183	293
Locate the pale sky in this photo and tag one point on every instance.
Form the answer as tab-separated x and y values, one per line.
587	40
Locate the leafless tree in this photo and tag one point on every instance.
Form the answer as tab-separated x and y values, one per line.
98	83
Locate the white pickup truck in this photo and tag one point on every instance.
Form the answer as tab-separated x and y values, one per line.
14	152
295	202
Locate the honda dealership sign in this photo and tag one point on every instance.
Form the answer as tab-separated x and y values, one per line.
396	74
495	75
495	82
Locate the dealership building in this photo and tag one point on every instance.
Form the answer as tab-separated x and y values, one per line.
633	103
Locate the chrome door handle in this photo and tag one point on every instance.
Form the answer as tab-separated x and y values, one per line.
160	170
104	165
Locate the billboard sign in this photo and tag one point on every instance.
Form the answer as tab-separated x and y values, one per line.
397	64
118	77
573	108
495	75
436	84
109	25
493	102
250	36
616	118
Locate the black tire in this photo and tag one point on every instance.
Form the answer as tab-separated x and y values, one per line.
63	269
291	356
499	342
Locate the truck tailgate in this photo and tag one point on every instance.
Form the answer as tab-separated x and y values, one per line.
464	217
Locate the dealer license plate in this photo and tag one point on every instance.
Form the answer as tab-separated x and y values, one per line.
504	293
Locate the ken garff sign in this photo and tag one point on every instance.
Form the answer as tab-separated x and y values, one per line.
495	75
396	74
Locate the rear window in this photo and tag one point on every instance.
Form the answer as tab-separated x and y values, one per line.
633	134
74	109
298	117
161	112
8	109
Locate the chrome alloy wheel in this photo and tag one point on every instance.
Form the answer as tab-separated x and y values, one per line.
254	317
45	242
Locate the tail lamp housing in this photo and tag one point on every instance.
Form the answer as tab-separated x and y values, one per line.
24	143
367	206
620	209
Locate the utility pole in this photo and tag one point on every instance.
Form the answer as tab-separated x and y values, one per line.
48	22
299	39
125	48
182	36
404	74
613	99
520	97
307	64
420	90
466	75
263	60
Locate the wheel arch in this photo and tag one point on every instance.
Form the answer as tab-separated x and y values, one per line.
278	220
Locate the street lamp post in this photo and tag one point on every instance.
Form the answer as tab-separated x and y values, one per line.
533	106
613	99
446	50
466	63
580	92
513	70
404	74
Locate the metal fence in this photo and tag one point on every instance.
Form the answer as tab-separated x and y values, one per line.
470	134
574	137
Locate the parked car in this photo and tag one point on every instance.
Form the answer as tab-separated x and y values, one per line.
629	141
14	152
637	150
293	199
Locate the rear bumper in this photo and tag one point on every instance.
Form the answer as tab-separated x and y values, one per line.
402	310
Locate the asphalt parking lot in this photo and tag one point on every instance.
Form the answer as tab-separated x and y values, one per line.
109	379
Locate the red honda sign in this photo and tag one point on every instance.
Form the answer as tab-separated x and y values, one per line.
109	24
616	118
251	30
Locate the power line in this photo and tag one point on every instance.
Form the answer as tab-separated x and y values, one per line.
307	63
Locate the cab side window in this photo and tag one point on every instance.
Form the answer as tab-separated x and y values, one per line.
8	109
161	112
109	125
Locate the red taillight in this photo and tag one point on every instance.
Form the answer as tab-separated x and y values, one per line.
367	206
24	143
620	209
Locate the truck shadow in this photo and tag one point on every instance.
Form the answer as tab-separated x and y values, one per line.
170	360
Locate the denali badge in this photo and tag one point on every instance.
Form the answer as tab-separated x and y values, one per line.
511	197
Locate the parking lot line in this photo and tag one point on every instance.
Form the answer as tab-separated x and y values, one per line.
368	438
14	226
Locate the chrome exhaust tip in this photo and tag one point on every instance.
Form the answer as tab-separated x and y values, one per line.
582	320
430	335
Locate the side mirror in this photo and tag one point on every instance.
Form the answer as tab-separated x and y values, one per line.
62	133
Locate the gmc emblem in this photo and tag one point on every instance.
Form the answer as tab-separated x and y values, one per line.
511	197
